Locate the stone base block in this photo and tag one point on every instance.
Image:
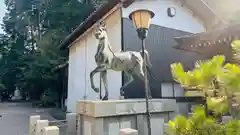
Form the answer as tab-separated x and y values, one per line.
108	117
123	107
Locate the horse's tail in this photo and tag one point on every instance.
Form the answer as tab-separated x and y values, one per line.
147	57
149	64
151	74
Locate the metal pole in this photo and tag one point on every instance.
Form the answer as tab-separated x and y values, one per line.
100	87
146	89
205	104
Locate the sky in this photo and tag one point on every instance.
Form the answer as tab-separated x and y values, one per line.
2	12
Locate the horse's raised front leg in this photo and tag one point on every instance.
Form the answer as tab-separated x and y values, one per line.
96	70
105	83
130	79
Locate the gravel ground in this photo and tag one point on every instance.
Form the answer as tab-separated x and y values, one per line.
15	118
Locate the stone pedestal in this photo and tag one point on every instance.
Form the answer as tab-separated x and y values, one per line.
108	117
17	95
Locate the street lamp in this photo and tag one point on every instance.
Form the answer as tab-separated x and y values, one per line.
141	19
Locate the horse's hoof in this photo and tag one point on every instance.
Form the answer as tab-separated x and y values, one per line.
105	98
121	93
121	97
96	90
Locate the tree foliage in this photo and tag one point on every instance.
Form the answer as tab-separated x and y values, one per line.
29	47
199	124
216	78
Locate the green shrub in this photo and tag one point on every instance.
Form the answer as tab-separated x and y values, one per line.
199	124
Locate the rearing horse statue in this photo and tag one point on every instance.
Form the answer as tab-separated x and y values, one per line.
131	62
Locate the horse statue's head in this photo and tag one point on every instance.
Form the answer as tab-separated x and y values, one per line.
100	31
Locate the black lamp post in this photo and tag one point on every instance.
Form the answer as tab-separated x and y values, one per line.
141	19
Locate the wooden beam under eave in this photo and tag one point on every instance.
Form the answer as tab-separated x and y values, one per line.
222	48
209	43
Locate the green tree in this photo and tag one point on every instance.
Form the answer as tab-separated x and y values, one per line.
199	124
218	81
33	31
202	78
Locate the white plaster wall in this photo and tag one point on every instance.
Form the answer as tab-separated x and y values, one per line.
76	81
172	90
184	19
167	91
81	63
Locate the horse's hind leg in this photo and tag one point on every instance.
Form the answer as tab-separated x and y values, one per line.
104	78
141	76
130	79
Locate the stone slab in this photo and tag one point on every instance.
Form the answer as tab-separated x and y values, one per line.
128	131
98	108
51	130
71	123
41	124
32	123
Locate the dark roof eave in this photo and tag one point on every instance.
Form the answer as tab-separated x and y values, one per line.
96	15
204	37
92	19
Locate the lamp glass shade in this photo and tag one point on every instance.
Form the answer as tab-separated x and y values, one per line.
141	18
